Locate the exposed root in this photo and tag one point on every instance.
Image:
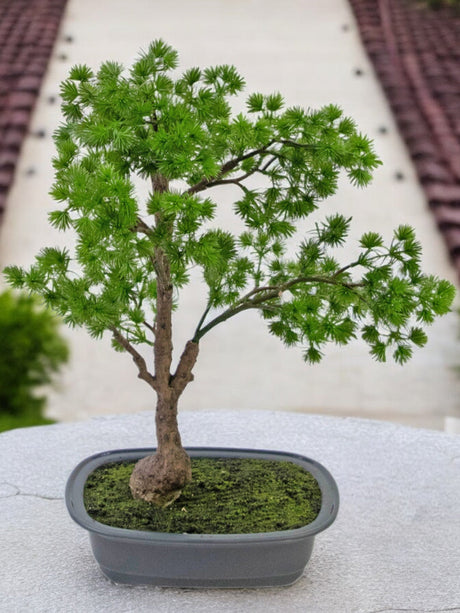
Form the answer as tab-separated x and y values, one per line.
160	478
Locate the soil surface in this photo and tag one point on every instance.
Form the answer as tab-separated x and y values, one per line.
226	496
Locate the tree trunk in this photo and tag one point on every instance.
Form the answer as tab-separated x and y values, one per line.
160	478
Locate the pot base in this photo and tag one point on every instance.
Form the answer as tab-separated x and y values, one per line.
231	564
237	583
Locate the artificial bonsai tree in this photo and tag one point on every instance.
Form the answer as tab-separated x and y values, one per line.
131	259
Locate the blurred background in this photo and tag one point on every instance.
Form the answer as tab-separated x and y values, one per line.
392	66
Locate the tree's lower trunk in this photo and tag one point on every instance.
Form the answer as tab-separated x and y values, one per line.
160	478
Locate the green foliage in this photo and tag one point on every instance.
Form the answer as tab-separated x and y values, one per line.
179	134
32	352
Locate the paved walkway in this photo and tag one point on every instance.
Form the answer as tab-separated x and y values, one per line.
28	30
415	51
303	50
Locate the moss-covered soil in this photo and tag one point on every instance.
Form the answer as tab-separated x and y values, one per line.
226	496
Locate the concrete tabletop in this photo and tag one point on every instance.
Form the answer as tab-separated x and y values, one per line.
393	547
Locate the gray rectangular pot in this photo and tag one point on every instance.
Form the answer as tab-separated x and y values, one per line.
201	560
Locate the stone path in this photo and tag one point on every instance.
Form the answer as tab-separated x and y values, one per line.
28	30
416	53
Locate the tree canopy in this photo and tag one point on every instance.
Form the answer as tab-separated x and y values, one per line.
178	132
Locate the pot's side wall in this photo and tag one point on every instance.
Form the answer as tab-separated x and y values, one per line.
239	560
194	564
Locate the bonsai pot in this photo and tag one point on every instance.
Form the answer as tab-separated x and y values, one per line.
201	560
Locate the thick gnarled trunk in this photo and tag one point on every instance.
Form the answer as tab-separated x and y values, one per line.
160	478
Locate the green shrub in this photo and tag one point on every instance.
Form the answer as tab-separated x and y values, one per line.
32	351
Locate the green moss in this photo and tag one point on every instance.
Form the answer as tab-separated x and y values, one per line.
226	496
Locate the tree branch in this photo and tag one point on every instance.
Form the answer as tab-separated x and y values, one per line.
236	180
229	182
225	168
223	317
293	143
231	164
269	163
149	327
270	292
347	267
183	374
137	358
142	227
202	319
282	287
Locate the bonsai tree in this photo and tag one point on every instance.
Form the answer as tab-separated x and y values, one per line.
131	259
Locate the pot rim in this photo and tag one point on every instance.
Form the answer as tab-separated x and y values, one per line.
77	479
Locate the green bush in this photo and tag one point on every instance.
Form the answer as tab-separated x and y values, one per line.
32	351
